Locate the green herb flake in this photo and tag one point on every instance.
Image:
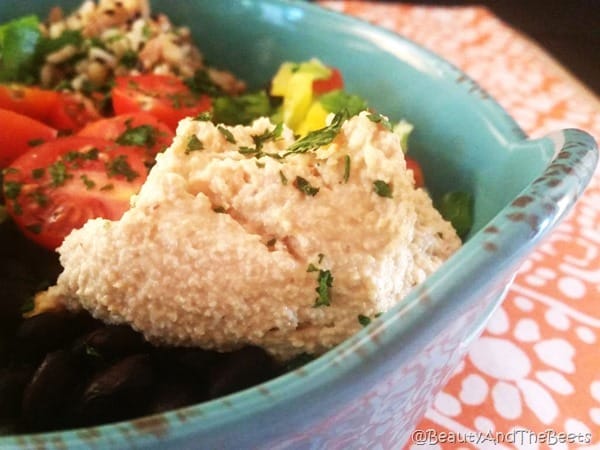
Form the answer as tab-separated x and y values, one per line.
35	142
312	268
91	154
107	187
12	189
382	188
304	186
228	135
120	166
347	162
283	178
59	174
89	184
260	165
38	173
28	305
325	282
39	197
204	116
141	136
378	118
318	138
35	228
364	320
194	144
129	59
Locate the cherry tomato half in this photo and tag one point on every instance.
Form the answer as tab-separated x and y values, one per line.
29	101
165	97
19	134
137	129
72	111
57	186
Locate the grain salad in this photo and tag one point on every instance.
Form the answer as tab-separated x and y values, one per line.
116	37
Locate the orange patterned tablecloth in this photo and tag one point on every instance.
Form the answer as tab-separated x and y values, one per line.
533	378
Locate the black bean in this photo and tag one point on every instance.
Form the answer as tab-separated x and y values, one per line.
176	392
111	342
49	393
12	385
49	331
117	392
188	360
241	369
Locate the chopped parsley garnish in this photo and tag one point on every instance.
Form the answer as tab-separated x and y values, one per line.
364	320
204	116
378	118
39	197
129	59
325	281
58	173
89	184
318	138
35	228
304	186
120	166
346	168
283	178
194	144
12	189
141	136
312	268
35	142
382	188
38	173
228	135
201	83
260	140
260	165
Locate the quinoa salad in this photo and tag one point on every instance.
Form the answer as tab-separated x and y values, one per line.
168	236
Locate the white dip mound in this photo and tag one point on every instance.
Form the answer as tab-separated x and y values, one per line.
233	240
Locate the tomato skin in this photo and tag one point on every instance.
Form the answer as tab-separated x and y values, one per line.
413	165
29	101
58	186
334	82
18	135
165	97
115	128
72	111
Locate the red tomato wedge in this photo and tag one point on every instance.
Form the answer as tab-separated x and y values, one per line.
165	97
413	165
58	186
72	111
29	101
137	129
19	134
332	83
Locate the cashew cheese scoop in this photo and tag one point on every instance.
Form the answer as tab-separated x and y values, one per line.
243	235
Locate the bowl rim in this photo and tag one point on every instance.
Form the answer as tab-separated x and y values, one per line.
343	359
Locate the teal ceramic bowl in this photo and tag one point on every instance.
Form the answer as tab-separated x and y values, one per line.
374	388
